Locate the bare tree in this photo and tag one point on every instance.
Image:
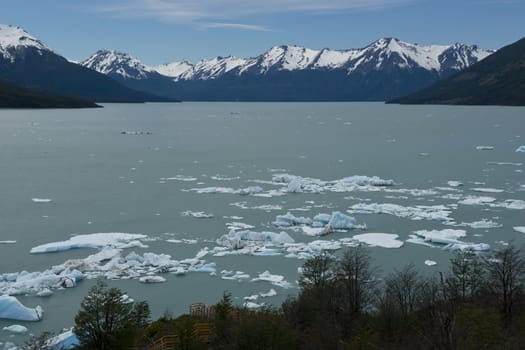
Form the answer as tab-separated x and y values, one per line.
506	274
466	275
356	274
403	289
317	271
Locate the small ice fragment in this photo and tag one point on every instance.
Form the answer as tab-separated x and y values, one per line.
520	149
270	293
15	328
430	262
454	183
197	214
7	242
152	279
520	229
41	200
484	148
487	190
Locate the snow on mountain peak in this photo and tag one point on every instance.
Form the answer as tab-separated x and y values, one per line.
115	62
14	38
385	52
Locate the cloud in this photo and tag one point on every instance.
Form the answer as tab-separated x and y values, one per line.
237	26
217	13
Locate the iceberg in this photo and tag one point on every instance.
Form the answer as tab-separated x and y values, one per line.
152	279
12	309
270	293
93	240
16	329
487	190
520	229
475	200
520	149
482	224
421	212
64	341
276	280
384	240
196	214
41	200
445	236
291	220
430	263
240	239
454	183
484	148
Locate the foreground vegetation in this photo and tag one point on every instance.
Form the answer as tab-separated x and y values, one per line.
342	304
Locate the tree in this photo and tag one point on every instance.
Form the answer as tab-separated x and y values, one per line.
403	289
106	320
355	272
506	273
317	271
466	275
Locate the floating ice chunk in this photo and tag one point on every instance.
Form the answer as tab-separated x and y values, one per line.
213	190
384	240
46	292
266	207
435	212
484	148
7	242
252	297
413	191
475	200
467	246
340	221
270	293
238	226
516	204
520	149
430	262
487	190
315	231
15	328
64	341
179	178
483	223
41	200
224	178
234	275
196	214
445	236
520	229
239	239
319	246
252	305
291	220
453	183
94	240
250	190
276	280
12	309
152	279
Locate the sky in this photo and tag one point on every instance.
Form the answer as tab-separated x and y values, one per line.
162	31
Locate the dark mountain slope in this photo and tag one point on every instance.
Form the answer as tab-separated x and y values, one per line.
499	79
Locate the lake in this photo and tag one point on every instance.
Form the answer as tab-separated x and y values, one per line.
180	176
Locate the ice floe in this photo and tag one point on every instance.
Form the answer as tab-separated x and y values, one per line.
41	200
481	224
520	229
454	183
7	242
276	280
448	238
234	275
516	204
197	214
384	240
64	341
520	149
270	293
430	263
235	226
12	309
93	240
265	207
241	239
16	329
321	224
487	190
252	190
179	178
477	200
420	212
484	148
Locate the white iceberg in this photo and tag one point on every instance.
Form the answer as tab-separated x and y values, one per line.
484	148
240	239
64	341
430	263
179	178
93	240
41	200
454	183
270	293
477	200
520	149
16	329
276	280
197	214
481	224
12	309
445	236
421	212
291	220
487	190
384	240
520	229
515	204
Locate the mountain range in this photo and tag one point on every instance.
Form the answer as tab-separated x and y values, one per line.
385	69
497	80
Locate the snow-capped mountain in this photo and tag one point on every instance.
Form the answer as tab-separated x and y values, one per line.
114	62
14	41
385	69
27	62
382	54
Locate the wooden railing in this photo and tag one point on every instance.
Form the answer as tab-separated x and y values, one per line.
167	342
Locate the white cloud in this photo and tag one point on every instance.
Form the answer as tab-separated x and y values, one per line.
216	13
